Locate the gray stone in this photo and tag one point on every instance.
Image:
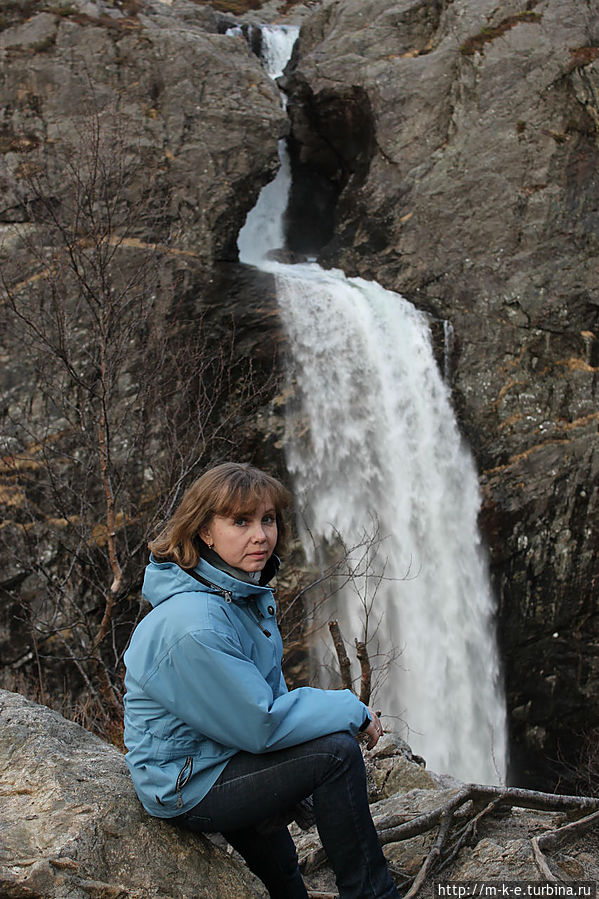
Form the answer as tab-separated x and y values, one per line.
392	768
37	31
72	825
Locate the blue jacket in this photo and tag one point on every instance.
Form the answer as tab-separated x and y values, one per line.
204	681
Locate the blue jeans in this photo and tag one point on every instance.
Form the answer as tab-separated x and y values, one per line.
254	791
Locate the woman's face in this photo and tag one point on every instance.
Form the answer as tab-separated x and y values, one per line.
245	541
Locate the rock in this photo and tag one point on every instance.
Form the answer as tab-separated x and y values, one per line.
286	256
36	32
72	825
392	776
514	861
392	769
470	186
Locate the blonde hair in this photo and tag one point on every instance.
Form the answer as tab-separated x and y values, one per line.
230	489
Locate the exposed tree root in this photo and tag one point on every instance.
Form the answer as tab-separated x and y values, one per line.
394	828
555	838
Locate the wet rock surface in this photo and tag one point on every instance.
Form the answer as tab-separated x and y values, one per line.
478	200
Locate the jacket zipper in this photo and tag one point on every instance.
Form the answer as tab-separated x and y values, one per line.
257	614
228	597
183	779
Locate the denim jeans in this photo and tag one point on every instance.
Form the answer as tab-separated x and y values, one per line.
254	791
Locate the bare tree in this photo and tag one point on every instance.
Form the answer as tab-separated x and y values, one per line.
114	399
358	571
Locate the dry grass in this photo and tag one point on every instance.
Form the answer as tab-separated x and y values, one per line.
476	43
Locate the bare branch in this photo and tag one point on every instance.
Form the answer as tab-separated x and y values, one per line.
365	668
433	856
343	658
555	838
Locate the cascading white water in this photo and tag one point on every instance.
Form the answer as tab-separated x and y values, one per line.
277	47
380	443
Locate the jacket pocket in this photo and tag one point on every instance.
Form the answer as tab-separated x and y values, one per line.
183	778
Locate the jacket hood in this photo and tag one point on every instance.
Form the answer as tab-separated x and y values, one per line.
164	580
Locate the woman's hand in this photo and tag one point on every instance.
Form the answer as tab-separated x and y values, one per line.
374	731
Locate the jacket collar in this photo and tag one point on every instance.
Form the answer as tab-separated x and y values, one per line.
266	575
240	590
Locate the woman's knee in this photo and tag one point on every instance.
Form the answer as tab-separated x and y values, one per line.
344	748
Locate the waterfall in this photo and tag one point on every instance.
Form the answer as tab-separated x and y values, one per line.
372	438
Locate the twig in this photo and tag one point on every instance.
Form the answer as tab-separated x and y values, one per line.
541	861
554	838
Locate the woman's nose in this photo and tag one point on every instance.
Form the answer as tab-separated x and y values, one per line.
259	534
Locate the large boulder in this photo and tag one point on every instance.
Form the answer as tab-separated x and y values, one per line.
461	140
73	826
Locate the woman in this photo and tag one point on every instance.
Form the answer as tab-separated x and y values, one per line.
216	741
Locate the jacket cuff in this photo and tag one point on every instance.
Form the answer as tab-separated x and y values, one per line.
366	722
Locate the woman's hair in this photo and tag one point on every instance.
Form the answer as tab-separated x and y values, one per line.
230	489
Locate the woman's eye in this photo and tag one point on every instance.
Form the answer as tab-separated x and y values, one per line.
269	519
240	522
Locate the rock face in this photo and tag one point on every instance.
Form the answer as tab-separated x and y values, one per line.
194	107
72	824
475	193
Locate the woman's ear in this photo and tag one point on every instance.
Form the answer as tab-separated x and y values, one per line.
205	536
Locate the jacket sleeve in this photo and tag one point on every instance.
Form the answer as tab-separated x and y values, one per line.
207	681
